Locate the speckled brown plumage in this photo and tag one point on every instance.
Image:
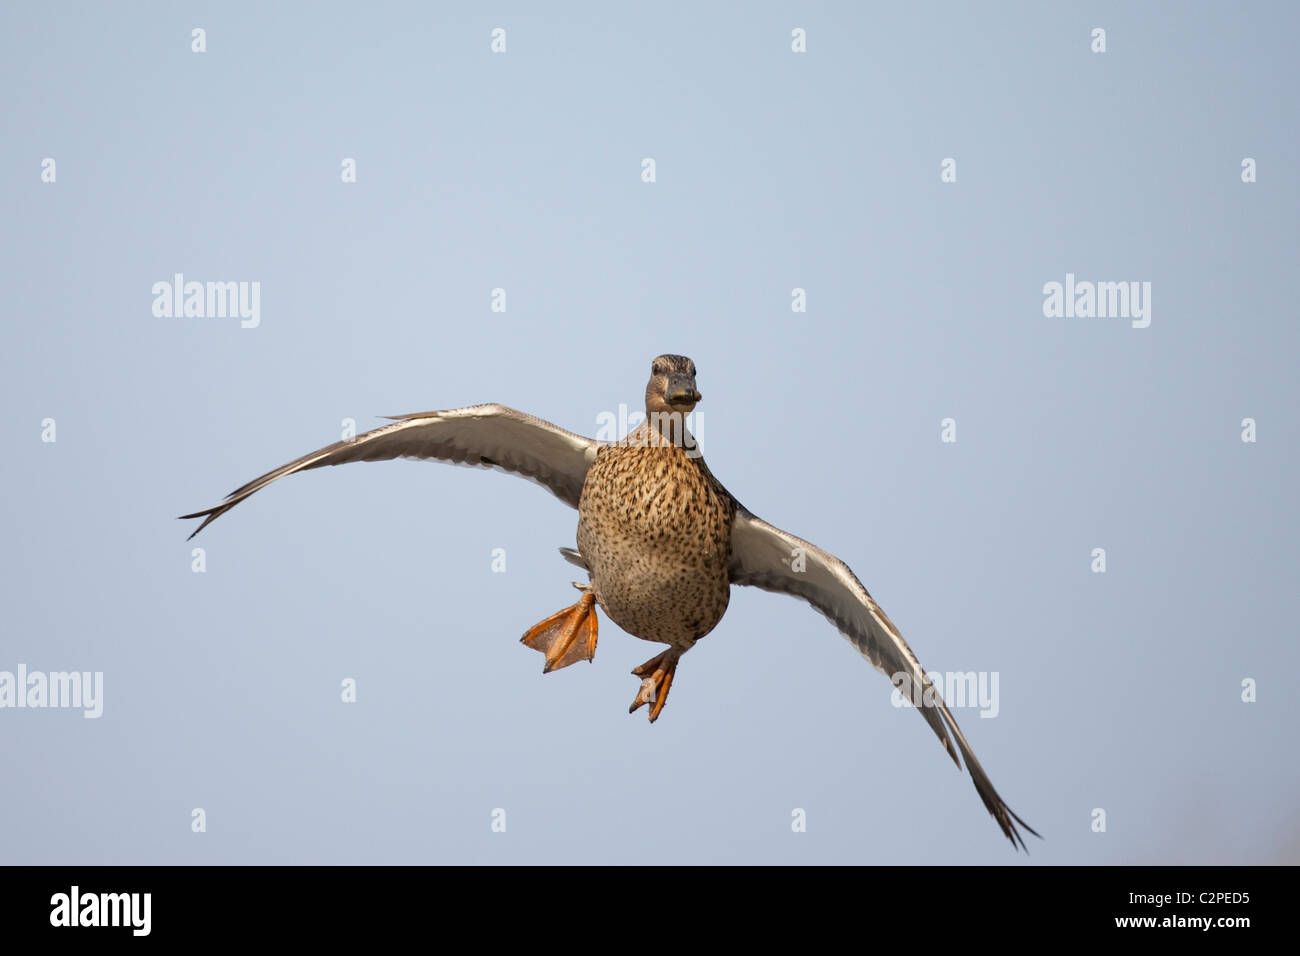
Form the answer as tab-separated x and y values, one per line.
655	531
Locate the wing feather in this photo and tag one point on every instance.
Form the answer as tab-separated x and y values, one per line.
766	557
492	436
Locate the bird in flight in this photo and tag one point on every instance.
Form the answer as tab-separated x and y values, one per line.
662	542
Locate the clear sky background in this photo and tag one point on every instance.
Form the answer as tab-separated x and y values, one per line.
774	170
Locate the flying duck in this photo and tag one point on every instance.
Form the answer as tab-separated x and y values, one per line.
662	542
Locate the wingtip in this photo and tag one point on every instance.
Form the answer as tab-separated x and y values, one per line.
1008	820
207	517
408	416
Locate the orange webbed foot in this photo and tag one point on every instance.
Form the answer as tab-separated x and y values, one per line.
657	678
566	637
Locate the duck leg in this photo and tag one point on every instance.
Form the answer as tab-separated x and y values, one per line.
567	636
657	678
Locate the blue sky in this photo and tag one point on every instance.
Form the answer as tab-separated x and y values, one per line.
774	171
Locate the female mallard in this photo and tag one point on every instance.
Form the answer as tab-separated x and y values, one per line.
661	539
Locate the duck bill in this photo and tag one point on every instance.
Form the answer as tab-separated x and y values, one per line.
681	391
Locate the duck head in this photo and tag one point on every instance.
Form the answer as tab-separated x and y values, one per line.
672	386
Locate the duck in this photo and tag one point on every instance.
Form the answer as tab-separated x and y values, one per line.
661	540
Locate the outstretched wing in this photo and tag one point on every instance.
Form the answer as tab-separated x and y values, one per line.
767	557
492	436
